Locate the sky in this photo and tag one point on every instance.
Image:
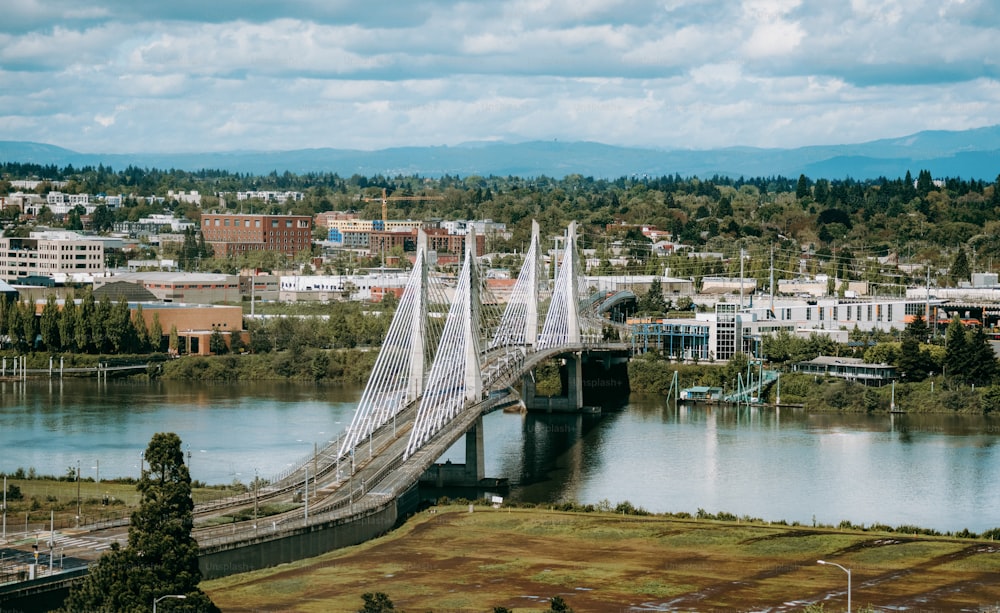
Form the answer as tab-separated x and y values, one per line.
172	76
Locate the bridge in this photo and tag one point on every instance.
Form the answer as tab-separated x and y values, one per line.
451	355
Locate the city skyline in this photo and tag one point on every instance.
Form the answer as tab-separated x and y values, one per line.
104	76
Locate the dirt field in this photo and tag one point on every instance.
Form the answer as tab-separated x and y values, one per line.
451	560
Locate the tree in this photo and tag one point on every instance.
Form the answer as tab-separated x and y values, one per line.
217	344
960	267
155	333
161	556
558	604
49	325
982	360
802	188
652	301
376	603
141	332
174	344
956	353
67	324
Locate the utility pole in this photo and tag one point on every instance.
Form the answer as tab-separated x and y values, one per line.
741	279
771	307
78	507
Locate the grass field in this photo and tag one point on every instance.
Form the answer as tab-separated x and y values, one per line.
453	560
45	500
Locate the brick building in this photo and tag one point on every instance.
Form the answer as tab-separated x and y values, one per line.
235	234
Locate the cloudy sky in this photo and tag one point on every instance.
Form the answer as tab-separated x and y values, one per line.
120	76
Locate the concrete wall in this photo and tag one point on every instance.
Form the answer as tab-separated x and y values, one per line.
310	541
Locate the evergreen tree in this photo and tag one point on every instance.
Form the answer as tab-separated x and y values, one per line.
956	351
960	270
802	188
982	360
161	556
652	302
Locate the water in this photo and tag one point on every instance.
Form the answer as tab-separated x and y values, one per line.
230	431
931	471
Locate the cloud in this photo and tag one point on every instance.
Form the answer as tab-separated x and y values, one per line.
97	75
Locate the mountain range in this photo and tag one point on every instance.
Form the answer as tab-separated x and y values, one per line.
969	154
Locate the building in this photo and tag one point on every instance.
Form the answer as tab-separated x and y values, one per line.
852	369
235	234
50	254
203	288
271	196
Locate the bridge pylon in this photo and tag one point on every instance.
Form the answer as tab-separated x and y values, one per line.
398	375
519	324
562	322
456	374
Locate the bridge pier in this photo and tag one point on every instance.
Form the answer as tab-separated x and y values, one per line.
591	380
470	474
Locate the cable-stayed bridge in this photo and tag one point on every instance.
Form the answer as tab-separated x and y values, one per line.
449	353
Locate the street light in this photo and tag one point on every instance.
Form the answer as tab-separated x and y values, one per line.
846	570
177	596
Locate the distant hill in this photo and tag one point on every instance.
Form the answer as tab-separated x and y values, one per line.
967	154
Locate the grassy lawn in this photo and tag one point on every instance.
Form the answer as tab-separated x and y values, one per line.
519	558
41	499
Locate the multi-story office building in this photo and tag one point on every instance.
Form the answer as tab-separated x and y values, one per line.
233	234
50	254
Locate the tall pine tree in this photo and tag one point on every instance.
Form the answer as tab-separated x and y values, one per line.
161	556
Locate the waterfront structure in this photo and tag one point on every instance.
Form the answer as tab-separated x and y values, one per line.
852	369
235	233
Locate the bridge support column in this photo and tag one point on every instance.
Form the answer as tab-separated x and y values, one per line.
475	459
571	399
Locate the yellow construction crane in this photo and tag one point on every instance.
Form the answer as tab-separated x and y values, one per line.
385	202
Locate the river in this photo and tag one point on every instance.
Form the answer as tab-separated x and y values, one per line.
933	471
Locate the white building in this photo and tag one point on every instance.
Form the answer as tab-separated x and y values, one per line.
353	287
192	197
50	254
271	196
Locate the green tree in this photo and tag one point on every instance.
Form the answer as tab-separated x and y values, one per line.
84	327
161	556
98	323
960	270
141	333
67	324
217	344
376	603
174	344
982	368
956	351
48	325
29	325
558	604
155	333
802	188
652	302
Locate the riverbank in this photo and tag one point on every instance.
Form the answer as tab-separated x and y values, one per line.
449	559
827	394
